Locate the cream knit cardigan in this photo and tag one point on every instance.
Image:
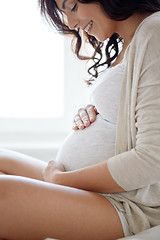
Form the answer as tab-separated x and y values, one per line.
136	165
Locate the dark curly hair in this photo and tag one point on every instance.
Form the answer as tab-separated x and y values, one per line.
116	9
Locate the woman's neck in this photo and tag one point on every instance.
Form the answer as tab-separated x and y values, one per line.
127	28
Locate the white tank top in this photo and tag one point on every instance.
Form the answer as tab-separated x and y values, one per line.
96	143
105	92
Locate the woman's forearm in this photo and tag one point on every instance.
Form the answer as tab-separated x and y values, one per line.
95	178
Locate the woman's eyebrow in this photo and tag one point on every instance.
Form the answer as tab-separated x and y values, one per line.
64	4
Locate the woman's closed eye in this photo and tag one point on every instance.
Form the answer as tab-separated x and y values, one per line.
74	8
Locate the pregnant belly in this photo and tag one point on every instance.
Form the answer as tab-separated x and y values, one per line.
86	147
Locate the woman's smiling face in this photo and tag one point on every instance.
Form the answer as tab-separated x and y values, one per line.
89	17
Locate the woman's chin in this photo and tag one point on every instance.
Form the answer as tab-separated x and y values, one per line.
100	38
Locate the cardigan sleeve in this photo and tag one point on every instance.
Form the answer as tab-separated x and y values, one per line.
140	166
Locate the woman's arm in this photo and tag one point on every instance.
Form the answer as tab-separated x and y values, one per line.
137	160
96	178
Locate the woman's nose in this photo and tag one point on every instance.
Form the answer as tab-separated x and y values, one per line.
72	22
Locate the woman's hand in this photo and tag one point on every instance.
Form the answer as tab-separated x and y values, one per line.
84	117
51	172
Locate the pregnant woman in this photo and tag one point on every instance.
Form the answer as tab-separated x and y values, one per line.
105	182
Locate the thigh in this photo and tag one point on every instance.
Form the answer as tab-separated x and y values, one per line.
14	163
32	209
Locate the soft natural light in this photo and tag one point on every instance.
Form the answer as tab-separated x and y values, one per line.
31	63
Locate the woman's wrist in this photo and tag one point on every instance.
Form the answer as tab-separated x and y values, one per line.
58	178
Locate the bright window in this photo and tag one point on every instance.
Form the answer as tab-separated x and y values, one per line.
31	60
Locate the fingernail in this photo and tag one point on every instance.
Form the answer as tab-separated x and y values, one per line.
86	123
81	126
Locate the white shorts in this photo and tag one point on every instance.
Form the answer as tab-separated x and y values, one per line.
123	220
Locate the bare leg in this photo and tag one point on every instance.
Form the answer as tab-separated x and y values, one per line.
14	163
32	209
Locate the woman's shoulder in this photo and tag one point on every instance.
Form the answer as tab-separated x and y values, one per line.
147	34
149	25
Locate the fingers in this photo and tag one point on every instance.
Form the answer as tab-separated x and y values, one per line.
92	112
78	123
84	117
48	171
51	170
